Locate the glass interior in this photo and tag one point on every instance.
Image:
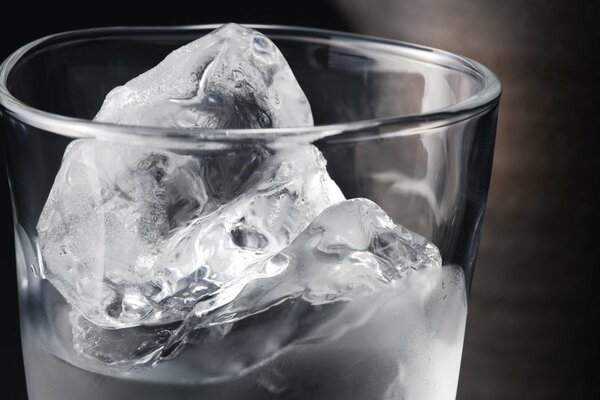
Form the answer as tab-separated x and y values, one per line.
432	179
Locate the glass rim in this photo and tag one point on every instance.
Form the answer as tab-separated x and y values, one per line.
480	102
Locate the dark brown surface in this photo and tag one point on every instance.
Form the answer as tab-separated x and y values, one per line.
532	327
531	332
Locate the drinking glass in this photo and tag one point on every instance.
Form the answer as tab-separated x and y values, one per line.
408	127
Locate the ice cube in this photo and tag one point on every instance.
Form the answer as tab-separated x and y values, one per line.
351	266
279	202
102	228
131	235
333	278
352	249
234	77
135	236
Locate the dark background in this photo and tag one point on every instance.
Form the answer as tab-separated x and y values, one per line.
532	330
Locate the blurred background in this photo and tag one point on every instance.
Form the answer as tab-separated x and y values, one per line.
532	331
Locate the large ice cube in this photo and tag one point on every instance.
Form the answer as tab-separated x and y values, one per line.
280	201
103	225
334	277
234	77
131	236
350	249
136	236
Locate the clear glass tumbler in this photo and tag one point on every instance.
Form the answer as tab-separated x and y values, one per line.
408	127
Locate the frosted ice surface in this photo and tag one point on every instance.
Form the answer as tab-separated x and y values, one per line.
234	77
102	228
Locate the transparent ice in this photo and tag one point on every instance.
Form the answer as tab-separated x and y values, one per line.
106	218
252	248
132	236
352	253
351	248
233	77
280	201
